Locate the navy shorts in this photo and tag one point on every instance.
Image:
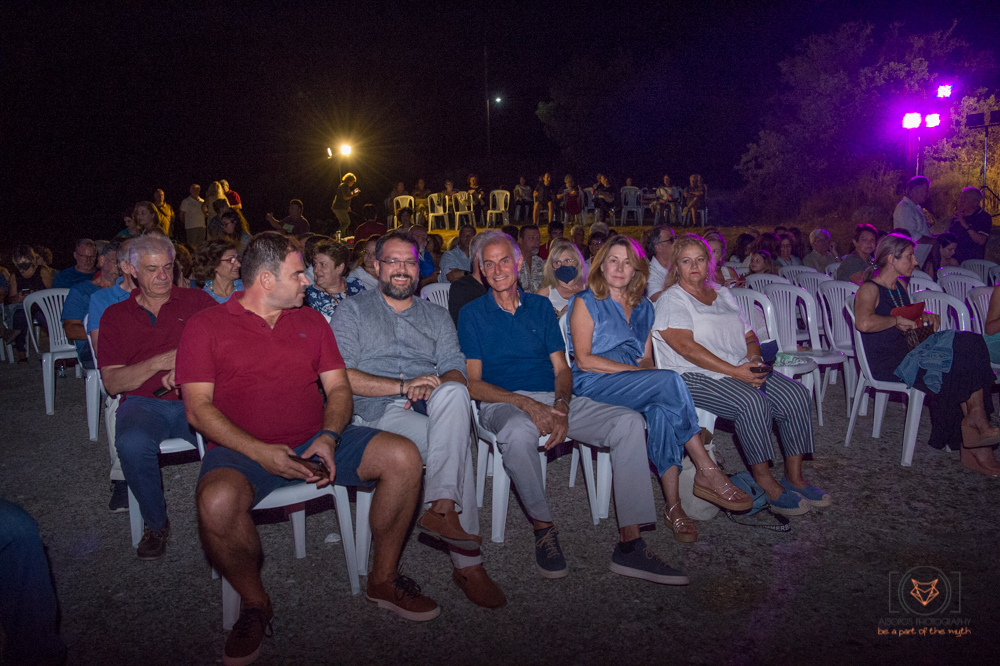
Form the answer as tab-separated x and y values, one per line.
353	443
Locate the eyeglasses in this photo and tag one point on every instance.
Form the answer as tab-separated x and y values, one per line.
232	260
392	263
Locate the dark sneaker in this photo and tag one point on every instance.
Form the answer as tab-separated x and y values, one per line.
153	543
119	497
478	586
548	555
643	563
445	526
403	597
243	644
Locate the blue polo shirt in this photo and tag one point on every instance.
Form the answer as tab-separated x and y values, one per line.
67	277
77	306
102	300
514	348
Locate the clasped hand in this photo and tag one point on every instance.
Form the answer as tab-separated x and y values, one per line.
419	388
550	421
278	460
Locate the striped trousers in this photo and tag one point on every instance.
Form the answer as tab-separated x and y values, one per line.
781	400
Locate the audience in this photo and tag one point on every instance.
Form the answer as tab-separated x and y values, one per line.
761	262
164	213
545	197
823	253
456	263
703	335
742	252
572	201
694	198
371	226
565	275
577	234
236	230
658	245
262	356
428	271
192	216
231	196
136	356
853	266
786	252
217	268
910	216
942	254
556	230
962	388
292	224
468	287
330	287
604	200
183	268
477	197
85	255
132	228
971	225
523	200
77	304
531	268
31	276
215	193
724	276
365	270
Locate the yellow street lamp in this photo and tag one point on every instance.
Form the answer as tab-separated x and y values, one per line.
345	150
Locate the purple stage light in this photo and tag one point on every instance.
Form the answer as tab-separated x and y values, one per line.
911	121
933	119
944	91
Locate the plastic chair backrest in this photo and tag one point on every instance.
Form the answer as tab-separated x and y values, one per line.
461	202
404	201
758	280
919	284
789	272
958	270
810	281
437	293
993	276
51	303
749	301
979	300
742	271
499	200
588	198
631	197
981	268
859	346
919	273
436	204
833	295
831	269
959	285
953	312
784	298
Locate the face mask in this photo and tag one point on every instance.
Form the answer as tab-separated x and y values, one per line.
23	266
566	273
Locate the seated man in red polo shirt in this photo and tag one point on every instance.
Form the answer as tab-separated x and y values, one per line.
139	339
248	371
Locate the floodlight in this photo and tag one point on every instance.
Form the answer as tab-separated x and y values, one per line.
911	120
944	91
329	152
933	119
497	100
345	150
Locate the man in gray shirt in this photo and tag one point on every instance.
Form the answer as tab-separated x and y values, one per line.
407	373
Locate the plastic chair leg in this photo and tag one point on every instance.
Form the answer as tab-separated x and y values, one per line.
134	519
854	413
49	382
298	520
363	529
588	476
79	371
93	388
818	389
482	462
230	605
881	399
544	461
914	408
343	506
501	497
574	465
603	483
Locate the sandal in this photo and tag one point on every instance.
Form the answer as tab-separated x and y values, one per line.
731	498
676	524
971	462
972	438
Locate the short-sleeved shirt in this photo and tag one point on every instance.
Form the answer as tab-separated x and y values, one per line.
343	199
454	259
129	334
265	378
194	218
77	306
102	300
325	303
67	277
514	348
657	276
377	340
546	194
294	227
426	264
463	291
233	198
721	328
968	248
369	229
237	288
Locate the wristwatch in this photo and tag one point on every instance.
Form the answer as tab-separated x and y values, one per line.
334	435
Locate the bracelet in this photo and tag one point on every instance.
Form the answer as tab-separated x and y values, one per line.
558	400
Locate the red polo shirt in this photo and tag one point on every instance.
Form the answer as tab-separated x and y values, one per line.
128	335
265	378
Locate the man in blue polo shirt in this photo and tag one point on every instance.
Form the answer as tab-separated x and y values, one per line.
516	366
77	303
85	255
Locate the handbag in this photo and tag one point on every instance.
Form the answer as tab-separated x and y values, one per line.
744	481
915	336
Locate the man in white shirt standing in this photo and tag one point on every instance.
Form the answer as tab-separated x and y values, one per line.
192	216
908	215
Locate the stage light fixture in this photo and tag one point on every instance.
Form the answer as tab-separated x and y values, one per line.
911	121
933	119
944	91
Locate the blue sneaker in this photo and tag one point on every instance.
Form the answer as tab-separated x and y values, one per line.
789	503
815	496
643	563
548	555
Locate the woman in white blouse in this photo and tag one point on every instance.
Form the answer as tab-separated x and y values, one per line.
703	335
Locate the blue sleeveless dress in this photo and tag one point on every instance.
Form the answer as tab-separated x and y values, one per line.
661	396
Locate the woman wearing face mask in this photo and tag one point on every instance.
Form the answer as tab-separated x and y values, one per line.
31	276
565	274
611	341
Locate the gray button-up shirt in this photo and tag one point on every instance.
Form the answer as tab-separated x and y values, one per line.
372	338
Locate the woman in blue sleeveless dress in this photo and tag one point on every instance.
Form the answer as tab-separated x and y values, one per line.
610	338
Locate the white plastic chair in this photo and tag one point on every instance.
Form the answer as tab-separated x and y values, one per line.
94	387
831	269
437	209
810	282
979	300
920	274
462	203
400	202
631	203
786	299
51	303
981	268
6	351
915	398
789	272
742	271
757	281
959	285
499	205
993	277
832	298
953	312
957	270
918	283
437	293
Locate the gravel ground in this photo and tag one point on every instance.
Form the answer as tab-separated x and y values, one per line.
815	595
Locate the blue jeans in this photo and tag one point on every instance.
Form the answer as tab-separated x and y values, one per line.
661	396
28	607
140	425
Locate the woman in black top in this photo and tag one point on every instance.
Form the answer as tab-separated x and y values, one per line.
32	275
962	387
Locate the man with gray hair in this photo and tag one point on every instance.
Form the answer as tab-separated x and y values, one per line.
971	225
77	303
469	287
139	338
85	255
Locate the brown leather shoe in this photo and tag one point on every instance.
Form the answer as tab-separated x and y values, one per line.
479	587
403	597
243	643
447	528
153	544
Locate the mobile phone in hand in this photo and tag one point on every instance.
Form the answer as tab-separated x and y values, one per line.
761	369
160	392
315	465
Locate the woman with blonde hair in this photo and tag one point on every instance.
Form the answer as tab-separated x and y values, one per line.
564	275
611	341
213	194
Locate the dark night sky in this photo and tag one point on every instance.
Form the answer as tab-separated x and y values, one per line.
104	103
